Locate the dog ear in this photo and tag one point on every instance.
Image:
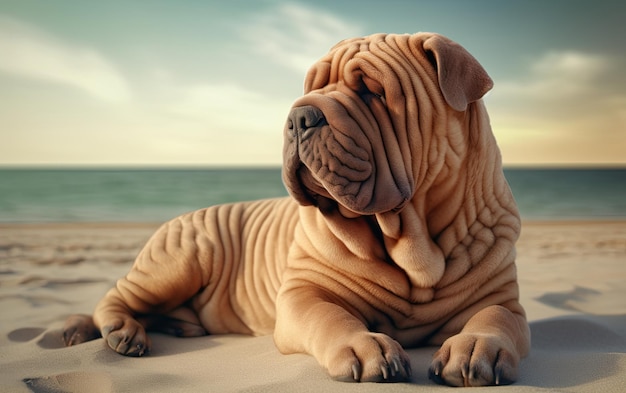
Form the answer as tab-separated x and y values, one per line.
462	79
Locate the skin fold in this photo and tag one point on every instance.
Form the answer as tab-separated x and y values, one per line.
399	231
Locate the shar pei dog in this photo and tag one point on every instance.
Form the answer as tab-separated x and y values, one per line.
399	231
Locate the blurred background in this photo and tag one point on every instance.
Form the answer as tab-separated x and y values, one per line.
142	110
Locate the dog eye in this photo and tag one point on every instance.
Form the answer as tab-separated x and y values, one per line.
374	88
381	96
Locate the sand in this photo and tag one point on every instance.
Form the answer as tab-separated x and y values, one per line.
572	277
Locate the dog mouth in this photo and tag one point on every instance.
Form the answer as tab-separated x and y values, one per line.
312	191
320	197
331	165
315	191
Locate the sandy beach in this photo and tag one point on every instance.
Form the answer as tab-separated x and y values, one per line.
572	277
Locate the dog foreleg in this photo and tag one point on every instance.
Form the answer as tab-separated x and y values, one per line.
309	320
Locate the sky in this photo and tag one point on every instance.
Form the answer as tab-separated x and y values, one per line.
210	83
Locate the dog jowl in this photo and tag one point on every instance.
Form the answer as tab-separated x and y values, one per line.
399	231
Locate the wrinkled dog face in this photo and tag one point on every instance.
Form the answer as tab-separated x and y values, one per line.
355	139
344	140
373	117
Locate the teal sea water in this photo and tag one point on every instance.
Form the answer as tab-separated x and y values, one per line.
155	195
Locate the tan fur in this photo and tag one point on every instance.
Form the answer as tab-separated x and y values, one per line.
400	231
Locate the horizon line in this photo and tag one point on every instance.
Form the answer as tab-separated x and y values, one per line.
121	166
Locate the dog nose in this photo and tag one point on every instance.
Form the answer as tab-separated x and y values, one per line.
303	121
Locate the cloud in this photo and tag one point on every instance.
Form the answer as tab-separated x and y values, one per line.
295	35
565	108
206	122
558	75
229	107
570	63
32	53
197	124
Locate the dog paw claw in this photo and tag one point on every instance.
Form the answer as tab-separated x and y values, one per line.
434	373
356	372
371	358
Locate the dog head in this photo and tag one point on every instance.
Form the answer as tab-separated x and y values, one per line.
362	136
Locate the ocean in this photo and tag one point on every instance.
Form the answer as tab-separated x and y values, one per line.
156	195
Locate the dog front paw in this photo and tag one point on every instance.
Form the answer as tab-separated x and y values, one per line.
127	337
370	357
475	360
78	329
